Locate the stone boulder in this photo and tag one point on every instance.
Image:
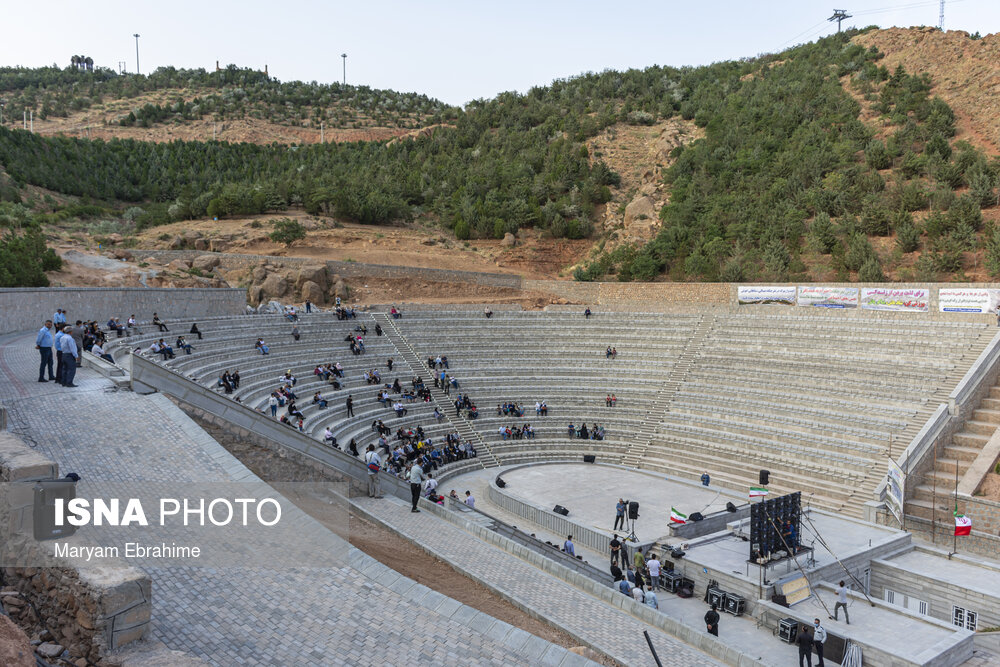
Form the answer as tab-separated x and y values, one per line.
177	243
639	210
218	245
179	265
508	240
258	274
255	294
200	244
339	289
275	286
312	292
205	263
15	649
314	273
121	253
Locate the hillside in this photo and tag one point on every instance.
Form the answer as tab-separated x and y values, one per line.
965	73
828	161
230	104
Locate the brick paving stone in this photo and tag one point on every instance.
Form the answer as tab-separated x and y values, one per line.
238	616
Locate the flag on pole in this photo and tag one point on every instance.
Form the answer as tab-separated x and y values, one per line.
677	517
963	524
758	491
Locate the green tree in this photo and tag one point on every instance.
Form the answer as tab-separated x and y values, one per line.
287	231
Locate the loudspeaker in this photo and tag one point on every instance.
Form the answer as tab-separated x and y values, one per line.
633	510
763	477
730	507
44	515
676	553
501	483
695	516
589	458
559	509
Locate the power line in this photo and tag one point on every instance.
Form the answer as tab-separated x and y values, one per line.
838	16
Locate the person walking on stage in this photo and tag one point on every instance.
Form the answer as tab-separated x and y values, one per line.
712	621
619	515
841	602
43	343
819	638
416	484
805	641
374	464
616	549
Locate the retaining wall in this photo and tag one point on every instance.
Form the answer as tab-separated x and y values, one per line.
26	308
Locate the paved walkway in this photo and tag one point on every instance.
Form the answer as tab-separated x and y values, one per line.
607	628
359	614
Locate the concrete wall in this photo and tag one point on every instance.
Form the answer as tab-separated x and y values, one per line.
25	309
90	611
939	595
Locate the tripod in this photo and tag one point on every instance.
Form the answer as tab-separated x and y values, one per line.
631	537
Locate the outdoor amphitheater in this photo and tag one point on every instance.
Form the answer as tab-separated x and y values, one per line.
867	426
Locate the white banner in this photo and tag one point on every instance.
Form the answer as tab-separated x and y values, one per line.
760	294
968	300
895	490
914	300
828	297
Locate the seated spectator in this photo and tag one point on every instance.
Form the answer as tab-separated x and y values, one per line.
184	345
545	409
288	378
160	323
293	411
164	349
398	407
329	438
378	332
295	333
319	400
264	349
133	326
487	312
99	351
607	353
571	429
395	313
195	330
353	447
473	412
586	313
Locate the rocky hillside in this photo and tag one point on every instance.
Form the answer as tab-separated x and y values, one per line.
964	71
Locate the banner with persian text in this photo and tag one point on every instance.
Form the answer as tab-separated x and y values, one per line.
913	300
968	300
828	297
765	294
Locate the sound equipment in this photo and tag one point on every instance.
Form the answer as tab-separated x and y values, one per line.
695	516
559	509
676	553
672	580
501	483
763	477
767	520
787	629
734	604
633	510
589	458
686	589
46	492
778	598
716	596
730	507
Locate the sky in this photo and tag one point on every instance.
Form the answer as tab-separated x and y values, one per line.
456	51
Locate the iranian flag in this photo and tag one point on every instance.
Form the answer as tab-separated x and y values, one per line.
963	524
757	491
677	517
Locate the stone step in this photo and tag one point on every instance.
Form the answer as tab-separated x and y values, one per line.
944	474
987	415
995	391
973	440
990	403
967	454
978	426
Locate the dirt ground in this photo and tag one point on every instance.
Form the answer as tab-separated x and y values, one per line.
15	651
990	487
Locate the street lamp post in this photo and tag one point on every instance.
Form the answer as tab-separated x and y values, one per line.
344	57
136	35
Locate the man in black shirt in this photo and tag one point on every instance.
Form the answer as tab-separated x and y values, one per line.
805	641
616	572
616	549
712	621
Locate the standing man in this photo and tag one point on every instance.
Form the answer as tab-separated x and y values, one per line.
619	515
70	357
416	484
712	621
705	479
638	559
819	638
841	602
309	306
57	339
350	405
616	549
59	317
805	641
568	546
374	464
654	571
470	500
43	343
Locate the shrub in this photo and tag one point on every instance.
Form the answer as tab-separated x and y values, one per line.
871	271
287	231
461	230
859	251
876	156
907	237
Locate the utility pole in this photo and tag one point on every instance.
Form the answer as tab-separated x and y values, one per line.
344	57
136	35
941	17
321	126
838	16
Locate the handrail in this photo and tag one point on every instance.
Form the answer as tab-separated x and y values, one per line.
987	360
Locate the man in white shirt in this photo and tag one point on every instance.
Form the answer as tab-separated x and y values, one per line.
651	600
328	436
819	638
70	357
638	595
469	500
841	602
99	351
416	483
374	464
431	485
653	565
